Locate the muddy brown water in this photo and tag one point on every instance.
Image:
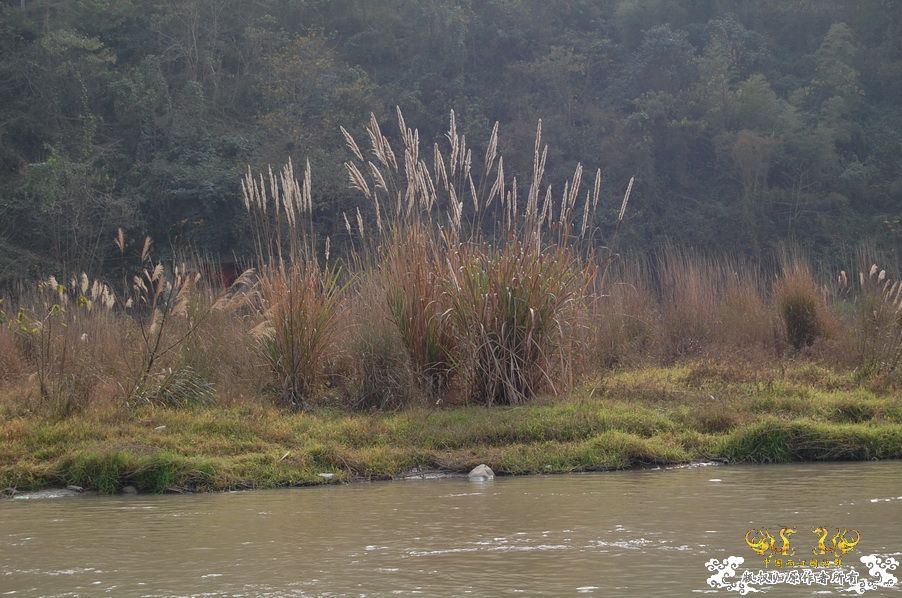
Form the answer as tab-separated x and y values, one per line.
632	533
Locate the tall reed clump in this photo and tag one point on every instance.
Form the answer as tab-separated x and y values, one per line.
517	315
382	373
678	303
878	301
219	350
690	289
488	290
412	283
745	320
301	304
626	315
300	299
801	305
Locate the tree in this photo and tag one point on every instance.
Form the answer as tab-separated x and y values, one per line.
834	74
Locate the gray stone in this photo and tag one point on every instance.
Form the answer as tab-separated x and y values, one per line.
481	473
129	490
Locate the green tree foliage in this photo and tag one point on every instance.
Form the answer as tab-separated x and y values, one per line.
745	124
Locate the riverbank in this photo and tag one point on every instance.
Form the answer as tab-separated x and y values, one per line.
623	419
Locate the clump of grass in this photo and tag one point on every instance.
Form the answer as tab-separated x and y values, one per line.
412	280
297	340
222	351
715	417
497	313
745	319
516	313
628	450
705	372
382	374
625	320
299	298
689	296
110	471
384	379
180	387
853	410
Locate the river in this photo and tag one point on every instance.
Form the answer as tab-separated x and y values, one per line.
631	533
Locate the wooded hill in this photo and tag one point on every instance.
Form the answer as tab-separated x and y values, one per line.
746	124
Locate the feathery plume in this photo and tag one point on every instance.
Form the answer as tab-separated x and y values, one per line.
626	199
352	145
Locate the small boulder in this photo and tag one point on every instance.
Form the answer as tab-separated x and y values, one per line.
481	473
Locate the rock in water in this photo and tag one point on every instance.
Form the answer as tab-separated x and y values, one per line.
481	473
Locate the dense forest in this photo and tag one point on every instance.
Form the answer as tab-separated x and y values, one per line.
745	124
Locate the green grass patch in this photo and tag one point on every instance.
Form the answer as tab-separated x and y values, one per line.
635	418
775	441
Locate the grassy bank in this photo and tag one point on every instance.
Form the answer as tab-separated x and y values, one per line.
624	419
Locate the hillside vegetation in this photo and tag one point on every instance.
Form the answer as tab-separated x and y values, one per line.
744	124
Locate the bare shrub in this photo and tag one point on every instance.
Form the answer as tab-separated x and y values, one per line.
159	308
801	305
